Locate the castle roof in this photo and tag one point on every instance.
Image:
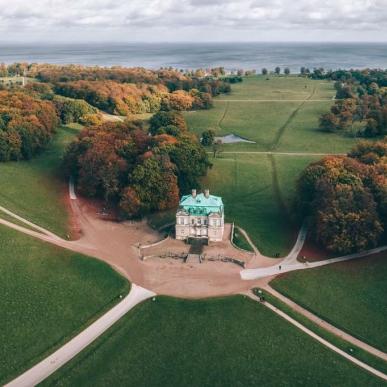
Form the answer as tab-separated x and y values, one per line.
201	204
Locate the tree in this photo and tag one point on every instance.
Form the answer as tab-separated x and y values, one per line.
277	70
191	161
163	119
287	71
346	199
329	122
208	137
264	71
123	164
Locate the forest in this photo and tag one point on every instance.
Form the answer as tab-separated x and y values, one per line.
346	198
135	169
27	124
361	105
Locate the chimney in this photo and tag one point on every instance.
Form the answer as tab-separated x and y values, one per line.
194	193
207	193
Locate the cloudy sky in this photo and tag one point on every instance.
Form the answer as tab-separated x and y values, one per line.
193	20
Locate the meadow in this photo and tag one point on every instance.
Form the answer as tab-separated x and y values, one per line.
218	342
258	181
48	294
35	189
350	295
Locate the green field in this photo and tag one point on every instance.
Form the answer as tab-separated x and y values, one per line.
278	114
281	115
35	189
47	296
350	295
256	199
219	342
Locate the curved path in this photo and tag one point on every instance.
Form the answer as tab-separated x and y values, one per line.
320	339
292	264
115	244
249	241
64	354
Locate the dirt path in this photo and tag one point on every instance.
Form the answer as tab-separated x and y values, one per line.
320	339
282	129
249	241
64	354
291	264
223	116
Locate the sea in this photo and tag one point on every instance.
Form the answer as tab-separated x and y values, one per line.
232	56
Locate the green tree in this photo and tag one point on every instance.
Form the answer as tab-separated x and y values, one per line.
163	119
208	137
277	70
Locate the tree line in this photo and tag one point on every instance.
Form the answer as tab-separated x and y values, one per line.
346	198
361	105
137	168
27	124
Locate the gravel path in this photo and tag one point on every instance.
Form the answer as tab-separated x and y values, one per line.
320	339
327	326
292	264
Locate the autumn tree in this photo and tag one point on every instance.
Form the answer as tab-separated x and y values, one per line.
346	198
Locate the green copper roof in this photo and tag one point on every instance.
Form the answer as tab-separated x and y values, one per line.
201	205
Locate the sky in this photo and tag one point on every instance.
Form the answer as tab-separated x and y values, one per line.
192	20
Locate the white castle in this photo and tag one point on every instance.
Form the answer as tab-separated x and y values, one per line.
200	216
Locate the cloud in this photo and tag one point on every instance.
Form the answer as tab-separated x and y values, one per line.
136	17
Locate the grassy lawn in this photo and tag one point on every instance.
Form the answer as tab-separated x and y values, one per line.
240	241
281	114
280	88
218	342
287	170
302	133
47	296
344	345
34	189
245	184
350	295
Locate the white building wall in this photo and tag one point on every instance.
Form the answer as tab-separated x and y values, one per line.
199	226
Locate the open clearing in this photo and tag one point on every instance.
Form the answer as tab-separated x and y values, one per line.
281	115
350	295
34	189
219	342
258	192
47	296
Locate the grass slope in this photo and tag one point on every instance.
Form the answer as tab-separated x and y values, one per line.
34	189
281	114
47	295
350	295
255	191
219	342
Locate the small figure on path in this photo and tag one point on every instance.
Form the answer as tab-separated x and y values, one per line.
279	267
